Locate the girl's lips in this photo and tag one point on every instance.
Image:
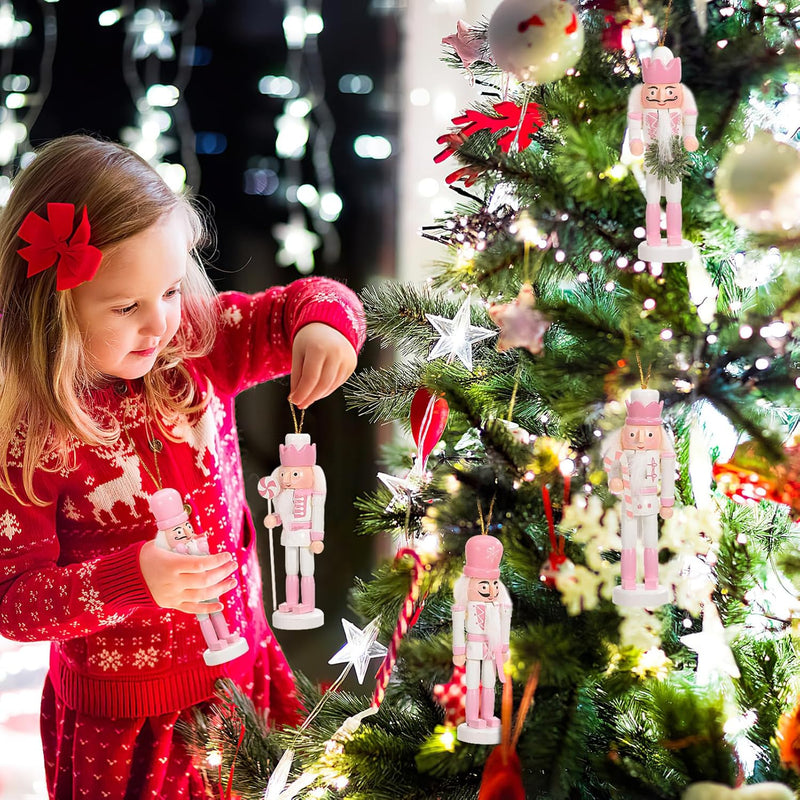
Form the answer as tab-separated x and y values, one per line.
144	353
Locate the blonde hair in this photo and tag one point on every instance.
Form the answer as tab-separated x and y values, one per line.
45	381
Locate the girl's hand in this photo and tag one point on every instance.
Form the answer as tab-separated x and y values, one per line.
322	360
183	581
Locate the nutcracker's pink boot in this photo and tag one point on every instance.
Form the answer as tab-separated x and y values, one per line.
487	708
471	708
307	594
292	594
221	627
652	221
210	635
674	222
650	568
628	569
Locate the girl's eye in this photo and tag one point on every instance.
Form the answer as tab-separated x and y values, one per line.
126	310
173	292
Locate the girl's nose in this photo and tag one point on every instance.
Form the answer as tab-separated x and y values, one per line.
155	324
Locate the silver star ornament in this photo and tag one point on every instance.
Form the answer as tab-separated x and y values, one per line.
457	336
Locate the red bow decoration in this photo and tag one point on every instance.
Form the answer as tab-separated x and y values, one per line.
77	259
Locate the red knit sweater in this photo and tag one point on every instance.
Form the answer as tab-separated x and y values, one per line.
69	570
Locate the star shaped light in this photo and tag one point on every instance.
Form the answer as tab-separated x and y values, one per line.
467	43
277	789
458	336
521	325
360	648
297	245
714	656
401	489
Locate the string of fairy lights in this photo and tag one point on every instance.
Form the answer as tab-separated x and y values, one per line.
157	73
22	95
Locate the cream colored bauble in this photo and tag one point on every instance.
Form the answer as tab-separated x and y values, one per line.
758	185
755	791
536	40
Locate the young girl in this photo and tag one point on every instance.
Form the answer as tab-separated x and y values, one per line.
119	366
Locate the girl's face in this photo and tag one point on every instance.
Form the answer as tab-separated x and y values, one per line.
132	308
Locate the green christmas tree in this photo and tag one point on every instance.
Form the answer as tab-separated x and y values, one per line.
633	701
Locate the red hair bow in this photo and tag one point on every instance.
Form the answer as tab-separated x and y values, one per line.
77	259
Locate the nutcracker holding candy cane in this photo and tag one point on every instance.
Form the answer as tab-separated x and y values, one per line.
638	458
298	490
176	533
481	628
662	117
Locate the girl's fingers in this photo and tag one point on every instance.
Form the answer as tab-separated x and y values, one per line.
200	608
310	372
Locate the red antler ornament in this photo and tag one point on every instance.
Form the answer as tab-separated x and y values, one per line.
77	260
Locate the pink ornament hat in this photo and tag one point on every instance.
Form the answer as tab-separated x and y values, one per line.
644	408
662	67
483	554
298	451
166	506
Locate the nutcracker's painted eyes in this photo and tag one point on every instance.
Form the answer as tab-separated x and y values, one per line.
295	474
670	91
650	434
632	434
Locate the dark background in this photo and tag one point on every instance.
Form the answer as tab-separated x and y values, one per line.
239	41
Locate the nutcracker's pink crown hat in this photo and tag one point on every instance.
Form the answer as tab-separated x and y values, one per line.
298	451
167	507
483	557
644	408
662	67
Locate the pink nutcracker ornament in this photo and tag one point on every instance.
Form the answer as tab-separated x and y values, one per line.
481	628
662	118
176	533
640	461
297	488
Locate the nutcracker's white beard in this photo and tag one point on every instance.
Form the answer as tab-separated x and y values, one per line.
664	136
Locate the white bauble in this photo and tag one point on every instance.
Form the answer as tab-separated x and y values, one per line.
758	185
536	40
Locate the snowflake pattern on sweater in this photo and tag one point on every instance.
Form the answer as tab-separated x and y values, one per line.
69	570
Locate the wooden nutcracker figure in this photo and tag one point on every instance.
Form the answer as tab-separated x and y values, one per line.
297	488
640	461
176	533
481	628
662	118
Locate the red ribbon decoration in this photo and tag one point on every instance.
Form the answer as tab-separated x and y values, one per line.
77	260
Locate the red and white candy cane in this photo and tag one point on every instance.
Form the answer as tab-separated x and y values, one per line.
409	614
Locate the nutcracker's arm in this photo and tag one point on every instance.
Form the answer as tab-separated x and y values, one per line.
459	630
689	110
667	469
505	618
635	113
318	505
612	458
